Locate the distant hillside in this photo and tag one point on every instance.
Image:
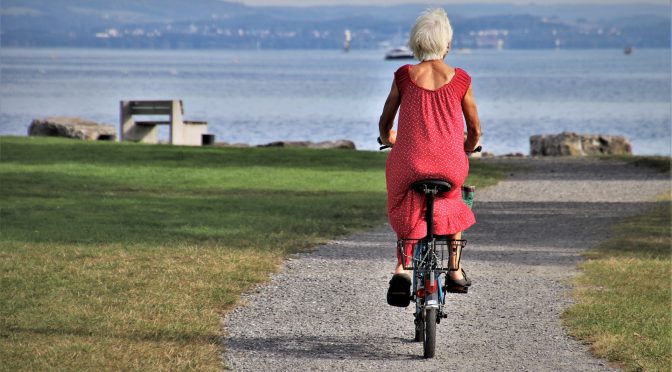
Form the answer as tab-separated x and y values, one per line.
221	24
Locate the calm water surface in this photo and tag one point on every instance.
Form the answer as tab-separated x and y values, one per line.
261	96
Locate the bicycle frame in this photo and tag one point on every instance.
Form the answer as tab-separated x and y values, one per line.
430	258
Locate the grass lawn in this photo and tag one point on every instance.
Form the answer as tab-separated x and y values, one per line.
124	256
624	296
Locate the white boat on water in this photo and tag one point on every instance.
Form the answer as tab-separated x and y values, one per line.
348	39
399	53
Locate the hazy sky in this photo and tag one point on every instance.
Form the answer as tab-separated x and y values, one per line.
391	2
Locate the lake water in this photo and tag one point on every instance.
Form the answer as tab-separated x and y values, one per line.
261	96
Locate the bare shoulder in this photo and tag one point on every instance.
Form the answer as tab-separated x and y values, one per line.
422	69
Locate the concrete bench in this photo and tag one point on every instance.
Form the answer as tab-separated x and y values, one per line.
182	132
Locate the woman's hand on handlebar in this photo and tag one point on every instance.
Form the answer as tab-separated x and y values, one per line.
389	138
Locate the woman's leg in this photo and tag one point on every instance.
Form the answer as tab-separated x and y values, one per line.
408	249
455	260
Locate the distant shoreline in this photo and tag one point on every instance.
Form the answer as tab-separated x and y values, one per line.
257	97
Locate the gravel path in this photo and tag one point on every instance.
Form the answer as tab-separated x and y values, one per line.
326	310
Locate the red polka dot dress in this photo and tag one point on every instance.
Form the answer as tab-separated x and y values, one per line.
430	144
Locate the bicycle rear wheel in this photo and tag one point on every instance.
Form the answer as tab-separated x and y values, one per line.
429	341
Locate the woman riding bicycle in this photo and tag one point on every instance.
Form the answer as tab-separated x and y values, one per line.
434	101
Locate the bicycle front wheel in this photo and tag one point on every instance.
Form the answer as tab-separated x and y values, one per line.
429	341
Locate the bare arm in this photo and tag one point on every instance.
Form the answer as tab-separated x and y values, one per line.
389	112
473	122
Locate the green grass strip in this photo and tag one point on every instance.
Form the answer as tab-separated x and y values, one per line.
125	256
624	295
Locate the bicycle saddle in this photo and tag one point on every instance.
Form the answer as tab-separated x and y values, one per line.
440	185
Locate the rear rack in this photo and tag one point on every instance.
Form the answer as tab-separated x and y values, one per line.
416	255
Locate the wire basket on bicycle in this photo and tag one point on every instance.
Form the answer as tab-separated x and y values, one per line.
415	254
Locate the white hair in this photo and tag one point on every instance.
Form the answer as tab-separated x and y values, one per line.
431	35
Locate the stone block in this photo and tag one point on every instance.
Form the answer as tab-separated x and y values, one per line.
338	144
572	144
72	128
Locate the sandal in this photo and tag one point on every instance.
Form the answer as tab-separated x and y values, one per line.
399	293
457	285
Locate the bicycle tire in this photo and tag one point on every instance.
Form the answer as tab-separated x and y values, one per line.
429	341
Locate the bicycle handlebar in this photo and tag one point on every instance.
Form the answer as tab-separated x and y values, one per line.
477	149
383	147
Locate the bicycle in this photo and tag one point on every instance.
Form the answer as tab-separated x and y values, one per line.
430	259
